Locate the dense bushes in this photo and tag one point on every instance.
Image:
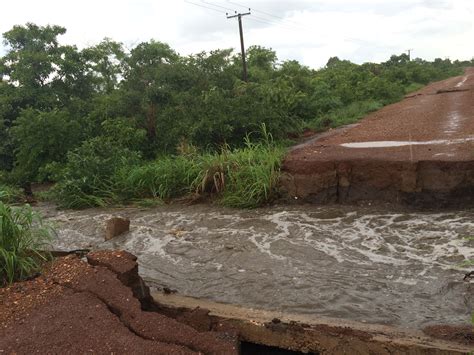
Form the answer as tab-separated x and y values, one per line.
86	118
92	173
245	177
42	138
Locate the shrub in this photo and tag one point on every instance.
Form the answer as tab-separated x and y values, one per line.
42	138
23	238
92	174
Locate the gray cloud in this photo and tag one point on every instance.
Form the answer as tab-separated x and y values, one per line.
306	30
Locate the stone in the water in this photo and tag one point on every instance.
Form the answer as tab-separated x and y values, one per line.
116	226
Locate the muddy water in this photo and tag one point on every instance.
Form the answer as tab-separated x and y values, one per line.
364	263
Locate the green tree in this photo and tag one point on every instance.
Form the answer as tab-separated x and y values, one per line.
41	138
147	86
31	63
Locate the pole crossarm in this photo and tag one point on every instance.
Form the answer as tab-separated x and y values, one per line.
239	15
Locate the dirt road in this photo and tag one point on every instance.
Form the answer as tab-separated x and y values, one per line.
419	150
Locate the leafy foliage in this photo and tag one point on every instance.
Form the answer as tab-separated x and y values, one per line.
245	177
23	239
90	176
42	138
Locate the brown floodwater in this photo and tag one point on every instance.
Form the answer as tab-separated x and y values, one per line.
370	264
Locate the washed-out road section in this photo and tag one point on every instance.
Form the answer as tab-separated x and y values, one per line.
419	151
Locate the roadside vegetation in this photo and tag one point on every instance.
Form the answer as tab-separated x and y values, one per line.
23	241
241	177
112	125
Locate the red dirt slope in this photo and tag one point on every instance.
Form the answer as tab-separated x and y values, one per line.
77	308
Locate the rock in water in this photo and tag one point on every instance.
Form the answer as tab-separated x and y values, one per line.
116	226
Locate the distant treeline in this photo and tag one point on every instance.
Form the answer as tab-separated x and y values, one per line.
59	103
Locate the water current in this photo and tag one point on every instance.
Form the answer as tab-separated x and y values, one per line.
370	264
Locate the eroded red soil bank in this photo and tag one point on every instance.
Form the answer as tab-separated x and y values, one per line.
79	307
417	151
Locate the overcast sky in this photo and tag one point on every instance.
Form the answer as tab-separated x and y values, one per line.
305	30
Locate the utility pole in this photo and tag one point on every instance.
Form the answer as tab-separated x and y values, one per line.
409	53
242	47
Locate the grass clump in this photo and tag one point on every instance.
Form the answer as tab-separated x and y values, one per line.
251	176
245	177
165	178
413	87
9	194
23	239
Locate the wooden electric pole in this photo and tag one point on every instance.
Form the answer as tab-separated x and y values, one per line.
242	47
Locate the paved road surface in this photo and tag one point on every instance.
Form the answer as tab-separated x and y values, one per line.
430	129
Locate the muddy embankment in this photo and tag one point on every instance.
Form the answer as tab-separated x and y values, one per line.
419	151
102	306
421	183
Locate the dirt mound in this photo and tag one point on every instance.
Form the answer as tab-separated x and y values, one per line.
82	307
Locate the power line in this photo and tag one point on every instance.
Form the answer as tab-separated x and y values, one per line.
266	22
262	19
263	12
205	7
219	6
257	18
276	23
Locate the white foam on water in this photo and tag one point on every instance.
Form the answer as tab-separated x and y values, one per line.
373	239
408	282
310	244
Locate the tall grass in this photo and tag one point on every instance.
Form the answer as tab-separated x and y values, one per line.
165	178
22	238
252	175
245	177
9	194
413	87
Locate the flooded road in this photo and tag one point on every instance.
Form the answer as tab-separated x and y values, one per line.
362	263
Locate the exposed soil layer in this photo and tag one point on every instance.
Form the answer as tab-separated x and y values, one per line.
417	151
460	334
77	307
317	335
